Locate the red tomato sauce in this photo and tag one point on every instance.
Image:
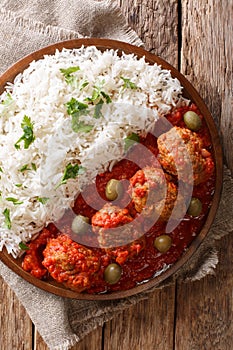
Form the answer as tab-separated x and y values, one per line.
148	261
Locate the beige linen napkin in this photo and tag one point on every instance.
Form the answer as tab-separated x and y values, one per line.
27	26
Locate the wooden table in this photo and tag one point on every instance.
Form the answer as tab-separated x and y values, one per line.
196	37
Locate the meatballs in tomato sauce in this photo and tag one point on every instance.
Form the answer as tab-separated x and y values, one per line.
181	153
154	194
70	263
115	234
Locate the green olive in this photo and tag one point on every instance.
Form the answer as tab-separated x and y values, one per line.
163	243
112	273
192	120
79	224
113	189
195	207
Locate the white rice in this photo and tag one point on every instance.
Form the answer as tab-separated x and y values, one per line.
41	93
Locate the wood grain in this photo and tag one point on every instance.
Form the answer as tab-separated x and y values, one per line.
147	325
156	23
205	308
206	59
15	324
92	342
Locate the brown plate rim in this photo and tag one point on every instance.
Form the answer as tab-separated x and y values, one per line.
189	92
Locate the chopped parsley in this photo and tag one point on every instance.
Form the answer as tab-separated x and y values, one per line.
8	100
15	201
128	84
18	185
67	72
1	171
6	214
78	126
71	172
77	109
83	84
33	166
43	200
131	140
97	110
98	98
28	136
98	95
26	167
23	246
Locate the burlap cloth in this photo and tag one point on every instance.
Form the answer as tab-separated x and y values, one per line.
27	26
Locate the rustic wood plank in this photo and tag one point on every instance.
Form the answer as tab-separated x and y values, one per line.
156	23
147	325
15	324
205	308
207	43
92	342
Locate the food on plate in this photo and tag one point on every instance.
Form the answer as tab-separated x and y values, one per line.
180	147
162	190
195	207
192	120
163	243
89	182
112	273
70	263
79	224
113	190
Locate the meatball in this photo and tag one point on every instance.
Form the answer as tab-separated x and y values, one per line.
119	239
32	261
70	263
177	148
154	194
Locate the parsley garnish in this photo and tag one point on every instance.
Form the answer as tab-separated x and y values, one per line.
23	246
98	98
28	136
26	167
1	171
97	111
18	185
106	97
131	140
98	95
78	126
6	214
15	201
71	172
43	200
76	109
69	78
83	84
33	166
128	84
8	100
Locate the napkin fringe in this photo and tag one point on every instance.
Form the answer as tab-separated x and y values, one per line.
55	32
67	344
126	33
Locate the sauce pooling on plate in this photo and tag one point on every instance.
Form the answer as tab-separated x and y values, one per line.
96	247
